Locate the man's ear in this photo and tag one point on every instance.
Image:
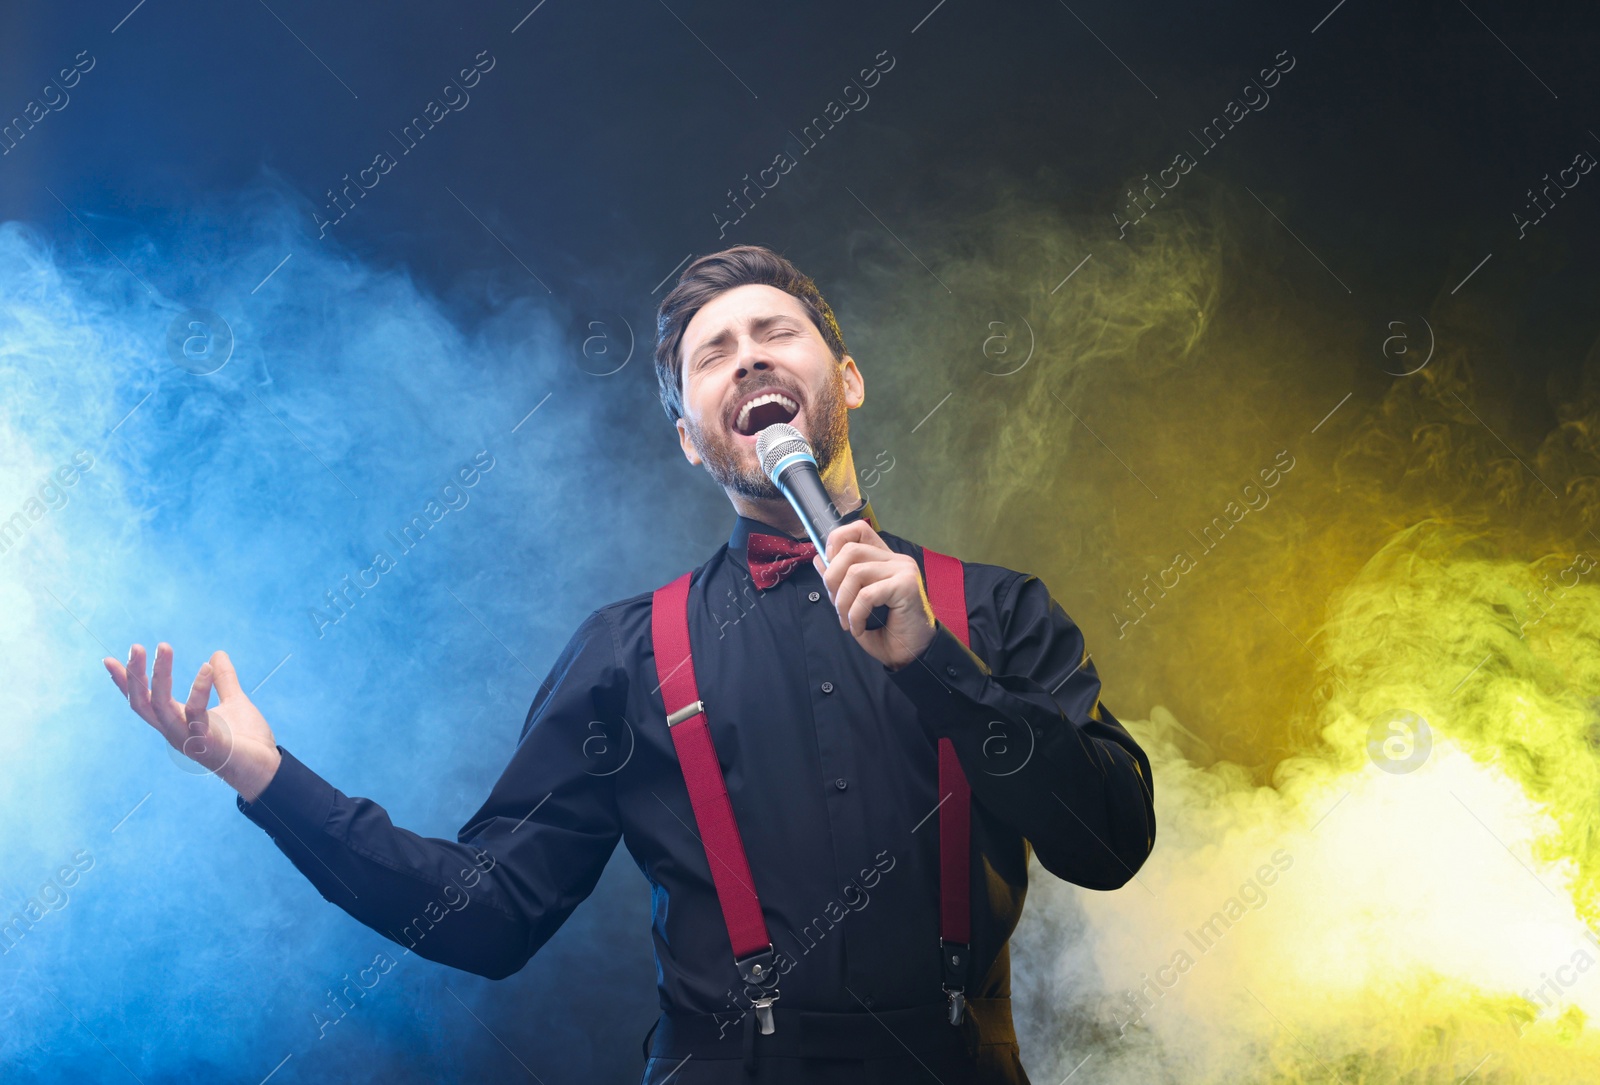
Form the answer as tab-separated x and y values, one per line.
689	452
855	386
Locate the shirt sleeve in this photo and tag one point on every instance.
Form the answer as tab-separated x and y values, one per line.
488	900
1036	744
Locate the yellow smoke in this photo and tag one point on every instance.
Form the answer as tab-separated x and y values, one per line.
1430	920
1372	700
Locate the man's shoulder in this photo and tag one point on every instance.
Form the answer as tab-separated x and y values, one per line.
630	616
983	580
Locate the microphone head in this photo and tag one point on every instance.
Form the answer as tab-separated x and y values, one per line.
777	443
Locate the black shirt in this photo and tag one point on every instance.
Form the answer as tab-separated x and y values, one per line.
831	767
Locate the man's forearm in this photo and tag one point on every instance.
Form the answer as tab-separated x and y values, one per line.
431	895
1077	790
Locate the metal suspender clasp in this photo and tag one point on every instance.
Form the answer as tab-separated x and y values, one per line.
688	711
958	1005
954	955
761	970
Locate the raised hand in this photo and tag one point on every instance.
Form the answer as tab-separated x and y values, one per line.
864	573
231	740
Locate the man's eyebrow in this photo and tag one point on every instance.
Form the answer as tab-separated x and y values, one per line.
706	344
759	324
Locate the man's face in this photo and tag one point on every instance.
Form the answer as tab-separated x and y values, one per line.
742	345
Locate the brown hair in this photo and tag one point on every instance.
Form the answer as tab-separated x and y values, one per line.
716	273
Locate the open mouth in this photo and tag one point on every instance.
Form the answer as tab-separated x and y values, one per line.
764	410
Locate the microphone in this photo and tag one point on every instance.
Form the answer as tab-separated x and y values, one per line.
787	460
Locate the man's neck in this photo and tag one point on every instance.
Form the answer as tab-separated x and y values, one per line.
839	480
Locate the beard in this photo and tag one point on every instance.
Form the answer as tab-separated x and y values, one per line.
827	418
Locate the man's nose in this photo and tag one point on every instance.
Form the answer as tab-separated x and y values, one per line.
751	357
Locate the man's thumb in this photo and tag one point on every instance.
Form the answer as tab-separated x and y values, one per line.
227	681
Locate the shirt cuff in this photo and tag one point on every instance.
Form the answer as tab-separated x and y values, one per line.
295	799
945	667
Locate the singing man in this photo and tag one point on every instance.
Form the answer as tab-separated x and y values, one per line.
832	769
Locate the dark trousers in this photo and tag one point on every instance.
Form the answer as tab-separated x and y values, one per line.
886	1047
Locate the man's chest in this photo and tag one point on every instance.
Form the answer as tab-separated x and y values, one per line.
811	734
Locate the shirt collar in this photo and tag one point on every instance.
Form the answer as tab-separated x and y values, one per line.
745	526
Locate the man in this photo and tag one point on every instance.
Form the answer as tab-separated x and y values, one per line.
825	728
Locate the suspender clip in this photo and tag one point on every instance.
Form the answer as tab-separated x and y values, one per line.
763	1008
954	956
958	1005
761	970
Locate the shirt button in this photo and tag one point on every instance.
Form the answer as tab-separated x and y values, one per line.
827	687
867	1002
951	671
814	596
840	783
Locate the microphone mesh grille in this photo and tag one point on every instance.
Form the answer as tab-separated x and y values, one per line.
777	441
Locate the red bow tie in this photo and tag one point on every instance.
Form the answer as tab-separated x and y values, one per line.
773	557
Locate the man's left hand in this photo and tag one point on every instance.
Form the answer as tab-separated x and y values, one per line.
864	573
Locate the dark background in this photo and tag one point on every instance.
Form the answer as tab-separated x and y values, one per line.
590	163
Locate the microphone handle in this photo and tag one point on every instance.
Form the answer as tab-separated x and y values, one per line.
802	485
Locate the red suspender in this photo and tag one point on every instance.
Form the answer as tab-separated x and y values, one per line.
947	593
708	794
719	833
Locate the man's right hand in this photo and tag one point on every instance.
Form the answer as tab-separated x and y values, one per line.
231	740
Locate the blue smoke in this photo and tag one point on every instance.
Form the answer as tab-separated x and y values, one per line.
236	496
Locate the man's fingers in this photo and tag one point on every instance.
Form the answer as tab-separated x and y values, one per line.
856	579
860	550
226	678
167	710
850	554
162	676
133	686
118	674
154	703
138	690
199	696
855	531
862	604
